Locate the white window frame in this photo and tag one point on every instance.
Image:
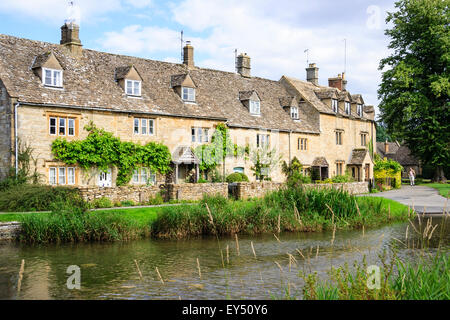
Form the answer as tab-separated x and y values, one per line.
188	94
59	175
199	134
70	120
136	176
347	107
149	126
131	86
70	176
64	126
255	107
54	81
359	110
52	177
262	140
294	113
55	126
334	105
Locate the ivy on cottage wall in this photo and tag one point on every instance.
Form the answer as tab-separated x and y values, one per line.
387	168
102	150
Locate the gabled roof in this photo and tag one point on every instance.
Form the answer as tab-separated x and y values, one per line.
320	162
358	156
357	98
326	93
184	154
41	60
123	71
344	96
182	80
397	152
288	102
247	95
89	83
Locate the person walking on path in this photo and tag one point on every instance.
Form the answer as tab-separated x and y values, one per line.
412	175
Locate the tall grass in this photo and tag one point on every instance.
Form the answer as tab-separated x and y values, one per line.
289	209
76	225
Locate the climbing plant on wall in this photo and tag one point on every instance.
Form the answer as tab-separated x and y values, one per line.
101	150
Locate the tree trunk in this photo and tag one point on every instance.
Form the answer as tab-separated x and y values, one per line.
439	175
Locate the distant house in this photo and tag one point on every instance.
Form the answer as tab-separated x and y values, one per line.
401	154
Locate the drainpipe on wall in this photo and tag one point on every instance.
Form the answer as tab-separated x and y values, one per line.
289	162
16	138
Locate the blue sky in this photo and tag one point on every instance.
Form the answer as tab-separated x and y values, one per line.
274	33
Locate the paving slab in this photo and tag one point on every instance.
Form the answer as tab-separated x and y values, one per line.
423	199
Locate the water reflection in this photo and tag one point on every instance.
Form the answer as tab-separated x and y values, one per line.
108	270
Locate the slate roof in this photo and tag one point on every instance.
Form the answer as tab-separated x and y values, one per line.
89	82
358	156
397	152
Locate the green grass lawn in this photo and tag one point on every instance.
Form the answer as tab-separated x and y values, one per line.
142	215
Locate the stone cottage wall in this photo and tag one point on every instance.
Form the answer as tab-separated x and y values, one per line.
196	191
137	194
5	132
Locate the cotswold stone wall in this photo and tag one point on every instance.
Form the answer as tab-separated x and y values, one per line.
245	190
350	187
137	194
9	230
195	191
5	132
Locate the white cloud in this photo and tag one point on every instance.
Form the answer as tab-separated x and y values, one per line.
56	11
275	34
139	3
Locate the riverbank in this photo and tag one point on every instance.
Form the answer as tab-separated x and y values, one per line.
293	210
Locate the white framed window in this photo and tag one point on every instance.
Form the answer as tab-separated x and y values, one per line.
199	134
302	144
52	125
255	107
347	107
188	94
262	140
62	126
294	112
52	77
71	176
136	176
359	110
71	127
133	87
143	126
144	175
334	105
52	179
62	176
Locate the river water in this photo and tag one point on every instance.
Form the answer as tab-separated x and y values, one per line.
108	270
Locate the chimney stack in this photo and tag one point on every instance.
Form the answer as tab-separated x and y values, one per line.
386	147
339	82
188	55
312	74
70	38
243	65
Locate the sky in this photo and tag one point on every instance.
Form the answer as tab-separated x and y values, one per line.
345	35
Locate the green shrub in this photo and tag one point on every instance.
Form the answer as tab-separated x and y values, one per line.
127	203
102	202
236	177
156	200
27	197
201	180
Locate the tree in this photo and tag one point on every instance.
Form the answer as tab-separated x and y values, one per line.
415	86
382	135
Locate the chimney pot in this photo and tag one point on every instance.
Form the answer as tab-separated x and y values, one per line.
386	147
243	65
338	82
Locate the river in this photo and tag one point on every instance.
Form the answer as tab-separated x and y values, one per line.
108	270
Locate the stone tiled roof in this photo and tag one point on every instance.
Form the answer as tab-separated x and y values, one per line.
357	98
89	82
397	152
358	156
392	148
320	162
313	95
246	95
122	72
40	60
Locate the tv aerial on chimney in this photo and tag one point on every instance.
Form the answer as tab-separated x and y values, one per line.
182	43
307	57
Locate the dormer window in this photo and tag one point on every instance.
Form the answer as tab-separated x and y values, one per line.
52	77
188	94
133	87
255	107
334	105
359	110
294	113
347	107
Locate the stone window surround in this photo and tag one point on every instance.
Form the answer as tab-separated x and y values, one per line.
262	140
340	167
188	94
203	136
143	179
68	117
302	144
364	135
148	121
66	174
339	133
